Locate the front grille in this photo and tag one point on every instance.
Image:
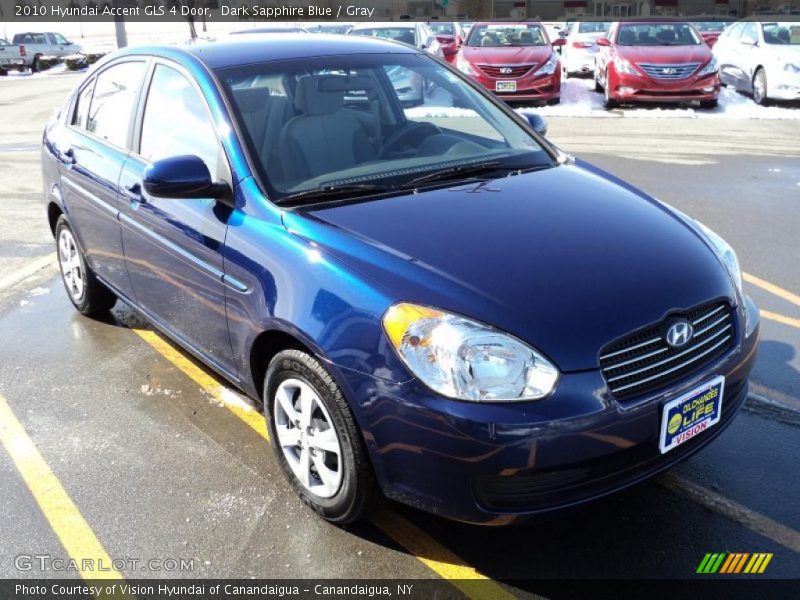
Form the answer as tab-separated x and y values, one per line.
681	71
513	72
644	362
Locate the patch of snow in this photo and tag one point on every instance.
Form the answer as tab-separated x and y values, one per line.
39	291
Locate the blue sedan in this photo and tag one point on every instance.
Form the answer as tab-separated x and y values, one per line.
432	303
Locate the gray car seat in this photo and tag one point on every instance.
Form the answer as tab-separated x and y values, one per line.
325	137
264	117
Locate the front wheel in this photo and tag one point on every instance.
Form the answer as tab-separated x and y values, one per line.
316	439
85	291
760	87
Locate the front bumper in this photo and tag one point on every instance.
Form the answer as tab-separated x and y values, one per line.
497	463
530	87
579	60
632	88
784	86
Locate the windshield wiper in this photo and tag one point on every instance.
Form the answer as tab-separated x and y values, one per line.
332	192
453	172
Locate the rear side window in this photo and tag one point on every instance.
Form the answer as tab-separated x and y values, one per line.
82	106
176	121
115	92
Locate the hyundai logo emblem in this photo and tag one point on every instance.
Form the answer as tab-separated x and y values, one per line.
679	333
669	71
505	70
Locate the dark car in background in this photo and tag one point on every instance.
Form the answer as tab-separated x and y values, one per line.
656	60
421	304
516	61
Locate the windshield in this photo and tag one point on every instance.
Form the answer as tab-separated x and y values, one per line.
509	35
398	34
593	27
373	120
657	34
443	28
709	26
785	33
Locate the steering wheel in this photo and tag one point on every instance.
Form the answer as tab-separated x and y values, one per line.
401	134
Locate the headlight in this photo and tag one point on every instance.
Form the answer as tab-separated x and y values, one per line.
711	67
791	68
460	358
725	253
462	64
623	66
549	67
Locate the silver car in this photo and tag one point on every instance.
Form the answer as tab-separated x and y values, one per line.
577	55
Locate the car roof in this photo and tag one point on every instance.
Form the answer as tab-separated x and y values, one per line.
387	24
239	50
508	22
652	20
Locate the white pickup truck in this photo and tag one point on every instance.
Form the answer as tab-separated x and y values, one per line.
43	44
11	57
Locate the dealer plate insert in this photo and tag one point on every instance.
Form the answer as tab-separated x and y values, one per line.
691	414
505	86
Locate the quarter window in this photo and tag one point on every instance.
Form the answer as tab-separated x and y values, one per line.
82	106
176	121
115	92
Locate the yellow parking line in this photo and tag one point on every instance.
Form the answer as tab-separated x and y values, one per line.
215	389
778	318
65	519
423	547
772	288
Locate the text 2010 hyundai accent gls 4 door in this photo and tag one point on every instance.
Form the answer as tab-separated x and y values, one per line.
446	310
645	60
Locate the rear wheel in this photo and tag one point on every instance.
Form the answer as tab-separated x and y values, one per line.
3	72
760	87
89	296
35	64
316	438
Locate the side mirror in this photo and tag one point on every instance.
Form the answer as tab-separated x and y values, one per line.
560	42
603	41
749	41
537	123
182	177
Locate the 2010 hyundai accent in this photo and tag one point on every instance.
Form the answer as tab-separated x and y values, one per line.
432	302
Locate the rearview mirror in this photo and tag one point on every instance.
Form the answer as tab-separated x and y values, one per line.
537	123
182	177
603	41
560	42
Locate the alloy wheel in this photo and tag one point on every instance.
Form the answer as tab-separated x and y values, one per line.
760	87
307	437
72	270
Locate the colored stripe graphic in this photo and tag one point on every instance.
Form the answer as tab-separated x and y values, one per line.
730	563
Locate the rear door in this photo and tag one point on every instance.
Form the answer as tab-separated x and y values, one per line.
174	248
60	46
92	154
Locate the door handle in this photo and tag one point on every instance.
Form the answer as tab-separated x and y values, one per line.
135	193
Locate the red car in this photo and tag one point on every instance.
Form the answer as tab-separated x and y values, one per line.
656	61
514	60
449	36
711	27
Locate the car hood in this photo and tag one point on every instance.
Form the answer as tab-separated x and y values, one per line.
567	259
700	53
522	55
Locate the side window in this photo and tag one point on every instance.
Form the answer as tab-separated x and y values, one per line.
80	117
115	92
58	38
176	121
39	38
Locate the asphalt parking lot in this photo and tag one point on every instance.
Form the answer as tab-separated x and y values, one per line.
148	456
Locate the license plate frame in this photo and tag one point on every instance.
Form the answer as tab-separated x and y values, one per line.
691	414
505	86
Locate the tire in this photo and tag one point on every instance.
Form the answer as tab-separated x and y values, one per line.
597	87
3	72
554	101
760	93
349	489
564	74
89	296
608	101
35	64
709	104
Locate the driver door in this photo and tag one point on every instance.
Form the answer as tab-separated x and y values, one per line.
174	247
